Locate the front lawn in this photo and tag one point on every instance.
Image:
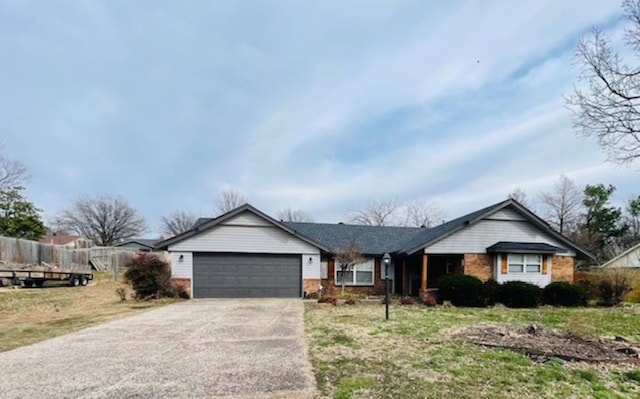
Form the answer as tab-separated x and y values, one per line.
355	353
31	315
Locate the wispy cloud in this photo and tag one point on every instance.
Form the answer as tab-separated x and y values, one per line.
320	106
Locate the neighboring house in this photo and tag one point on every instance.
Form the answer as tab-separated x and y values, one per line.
69	241
245	253
139	244
629	258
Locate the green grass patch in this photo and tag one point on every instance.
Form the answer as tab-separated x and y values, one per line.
356	353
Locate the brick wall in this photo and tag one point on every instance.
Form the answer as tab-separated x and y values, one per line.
185	283
562	268
333	289
310	285
479	265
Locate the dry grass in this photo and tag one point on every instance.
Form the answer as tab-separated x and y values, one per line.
357	354
31	315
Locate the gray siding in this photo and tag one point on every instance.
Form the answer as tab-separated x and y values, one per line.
629	259
236	236
477	237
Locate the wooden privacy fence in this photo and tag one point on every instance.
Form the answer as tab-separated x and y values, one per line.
25	252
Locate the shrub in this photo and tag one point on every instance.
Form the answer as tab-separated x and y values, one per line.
634	295
461	290
328	299
562	293
150	277
518	294
430	301
491	292
609	286
407	300
614	284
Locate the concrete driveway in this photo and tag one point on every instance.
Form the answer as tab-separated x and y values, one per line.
247	348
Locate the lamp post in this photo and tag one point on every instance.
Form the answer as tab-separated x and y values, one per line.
386	259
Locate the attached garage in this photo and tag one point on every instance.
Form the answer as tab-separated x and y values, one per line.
236	275
244	254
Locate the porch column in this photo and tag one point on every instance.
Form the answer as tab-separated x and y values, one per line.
423	281
404	276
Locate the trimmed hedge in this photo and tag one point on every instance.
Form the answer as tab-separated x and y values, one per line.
461	290
562	293
491	290
518	294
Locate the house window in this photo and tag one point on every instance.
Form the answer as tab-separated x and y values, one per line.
360	274
521	263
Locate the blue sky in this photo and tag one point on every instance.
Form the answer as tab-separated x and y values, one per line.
320	106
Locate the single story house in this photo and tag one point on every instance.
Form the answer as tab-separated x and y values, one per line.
629	258
246	253
139	244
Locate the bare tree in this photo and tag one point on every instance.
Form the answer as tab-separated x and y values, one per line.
383	213
563	204
177	222
345	259
520	195
421	213
293	215
105	220
229	200
12	173
606	106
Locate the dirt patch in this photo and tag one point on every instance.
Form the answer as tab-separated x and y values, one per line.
542	344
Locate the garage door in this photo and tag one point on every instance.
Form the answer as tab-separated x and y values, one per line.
246	276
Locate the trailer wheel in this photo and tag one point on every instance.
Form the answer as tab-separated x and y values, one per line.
74	281
39	283
84	281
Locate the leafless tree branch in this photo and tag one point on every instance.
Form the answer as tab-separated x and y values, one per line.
293	215
12	173
563	204
605	105
383	213
229	200
105	220
177	222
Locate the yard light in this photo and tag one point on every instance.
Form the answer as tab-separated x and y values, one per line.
386	258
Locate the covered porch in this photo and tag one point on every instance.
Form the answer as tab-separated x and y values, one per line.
418	275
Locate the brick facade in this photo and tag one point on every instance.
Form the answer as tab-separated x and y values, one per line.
310	285
562	268
479	265
184	283
331	288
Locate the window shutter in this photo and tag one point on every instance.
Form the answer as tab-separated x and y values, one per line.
544	264
503	264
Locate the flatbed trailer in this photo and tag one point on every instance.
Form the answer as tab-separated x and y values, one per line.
36	278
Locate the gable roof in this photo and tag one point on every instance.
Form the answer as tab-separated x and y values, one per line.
524	248
145	242
204	224
622	255
371	240
438	233
59	239
376	240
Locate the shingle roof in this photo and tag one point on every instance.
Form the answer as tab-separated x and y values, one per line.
371	240
149	242
524	247
376	240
